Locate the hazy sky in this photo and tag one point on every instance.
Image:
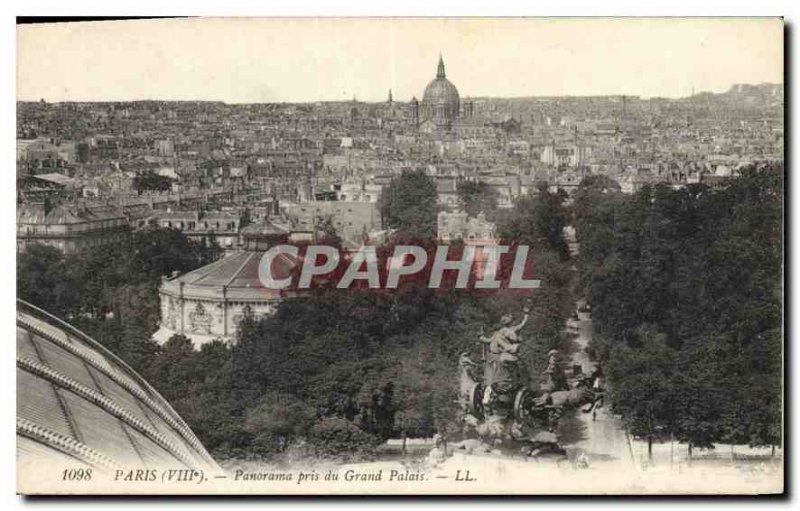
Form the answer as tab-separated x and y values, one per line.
262	60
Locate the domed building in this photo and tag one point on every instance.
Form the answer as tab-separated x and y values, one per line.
79	406
441	103
208	303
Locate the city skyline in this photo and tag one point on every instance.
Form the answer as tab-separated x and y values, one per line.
246	60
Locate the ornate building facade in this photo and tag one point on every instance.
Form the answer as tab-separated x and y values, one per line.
209	303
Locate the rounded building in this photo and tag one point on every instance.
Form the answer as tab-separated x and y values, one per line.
208	303
78	405
440	102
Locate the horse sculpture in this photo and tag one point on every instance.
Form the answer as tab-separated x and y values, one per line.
576	397
520	407
500	407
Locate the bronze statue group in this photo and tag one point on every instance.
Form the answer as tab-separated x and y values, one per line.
499	407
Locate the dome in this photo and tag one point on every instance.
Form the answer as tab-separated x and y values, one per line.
441	102
441	91
78	405
237	273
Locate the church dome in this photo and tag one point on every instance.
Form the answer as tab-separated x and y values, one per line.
441	91
441	101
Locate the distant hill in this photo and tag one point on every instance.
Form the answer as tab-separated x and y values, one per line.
766	94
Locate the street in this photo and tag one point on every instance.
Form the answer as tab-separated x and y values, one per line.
601	439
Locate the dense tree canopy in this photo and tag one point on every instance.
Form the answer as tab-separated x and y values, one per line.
111	291
477	197
408	204
152	182
48	279
686	293
538	220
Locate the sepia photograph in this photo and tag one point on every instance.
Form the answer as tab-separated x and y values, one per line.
400	256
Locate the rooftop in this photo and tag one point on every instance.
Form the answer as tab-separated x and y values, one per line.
76	401
236	275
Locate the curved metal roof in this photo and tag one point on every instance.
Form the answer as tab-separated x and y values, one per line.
76	401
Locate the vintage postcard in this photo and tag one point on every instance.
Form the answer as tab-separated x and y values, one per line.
400	256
